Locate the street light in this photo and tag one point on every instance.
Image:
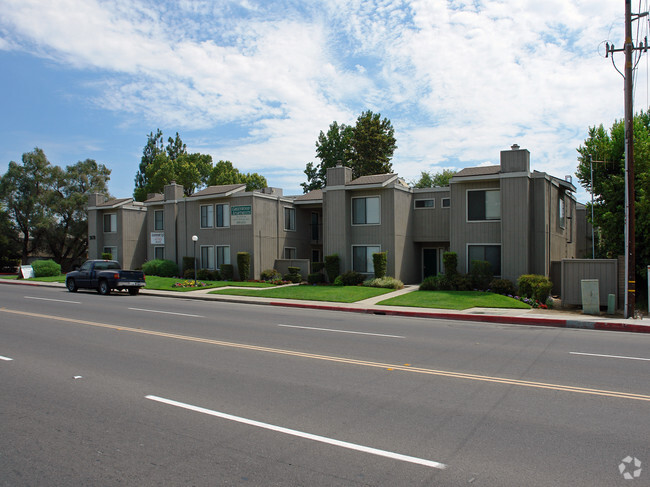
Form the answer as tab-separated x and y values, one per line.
194	239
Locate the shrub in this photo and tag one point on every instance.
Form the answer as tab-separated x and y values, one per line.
502	286
462	283
107	256
270	275
534	286
293	275
384	282
317	266
450	263
244	265
437	283
46	268
188	263
207	275
189	273
161	268
316	278
380	262
480	274
332	266
338	281
227	272
351	278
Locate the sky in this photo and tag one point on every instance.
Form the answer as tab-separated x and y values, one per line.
255	81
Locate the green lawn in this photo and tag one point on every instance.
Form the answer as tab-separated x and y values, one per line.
338	294
457	300
167	284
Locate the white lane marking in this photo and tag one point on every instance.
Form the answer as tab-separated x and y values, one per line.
342	331
609	356
5	358
55	300
300	434
166	312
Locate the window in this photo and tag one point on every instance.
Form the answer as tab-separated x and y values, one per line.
561	210
158	220
223	215
483	205
290	219
112	251
446	202
207	216
207	257
489	253
110	222
289	252
315	255
365	211
159	253
362	258
425	203
223	255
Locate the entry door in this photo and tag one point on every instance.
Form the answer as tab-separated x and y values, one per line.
429	263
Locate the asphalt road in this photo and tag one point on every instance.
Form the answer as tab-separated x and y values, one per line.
137	390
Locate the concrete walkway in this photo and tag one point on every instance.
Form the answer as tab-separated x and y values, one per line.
537	317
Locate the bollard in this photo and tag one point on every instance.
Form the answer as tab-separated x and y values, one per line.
611	304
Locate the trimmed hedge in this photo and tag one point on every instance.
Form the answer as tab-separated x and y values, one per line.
270	275
293	275
502	286
450	263
160	268
244	265
332	266
481	274
188	263
380	262
227	272
350	278
107	256
46	268
534	286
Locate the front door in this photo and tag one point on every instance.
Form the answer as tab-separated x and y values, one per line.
429	262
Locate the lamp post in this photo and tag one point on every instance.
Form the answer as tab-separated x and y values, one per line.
194	239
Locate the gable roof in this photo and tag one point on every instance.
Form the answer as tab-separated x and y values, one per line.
478	171
315	195
382	179
155	198
114	203
223	190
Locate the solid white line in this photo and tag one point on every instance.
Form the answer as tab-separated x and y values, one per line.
166	312
342	331
610	356
5	358
56	300
300	434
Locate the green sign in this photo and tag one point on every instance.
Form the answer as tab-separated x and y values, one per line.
241	215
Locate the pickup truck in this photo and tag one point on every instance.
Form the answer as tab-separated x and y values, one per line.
104	275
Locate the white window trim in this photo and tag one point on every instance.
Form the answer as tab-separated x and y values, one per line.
201	266
364	245
216	255
227	205
561	204
491	220
156	248
467	262
155	212
114	230
295	216
284	253
424	207
210	220
352	211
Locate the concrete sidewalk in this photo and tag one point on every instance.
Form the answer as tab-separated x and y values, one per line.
536	317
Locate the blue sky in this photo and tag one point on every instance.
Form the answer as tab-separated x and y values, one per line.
254	82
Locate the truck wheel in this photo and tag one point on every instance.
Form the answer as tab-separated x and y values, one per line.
71	285
133	291
103	288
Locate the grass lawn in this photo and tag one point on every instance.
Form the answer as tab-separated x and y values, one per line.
457	300
338	294
167	283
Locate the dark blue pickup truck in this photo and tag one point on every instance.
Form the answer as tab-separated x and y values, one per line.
104	275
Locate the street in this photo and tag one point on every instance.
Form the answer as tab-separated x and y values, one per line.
139	390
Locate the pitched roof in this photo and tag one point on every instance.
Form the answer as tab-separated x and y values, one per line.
315	195
155	198
220	190
478	171
114	203
372	179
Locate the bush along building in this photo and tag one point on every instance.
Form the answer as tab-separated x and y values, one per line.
517	220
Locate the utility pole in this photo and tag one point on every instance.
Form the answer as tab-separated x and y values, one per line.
630	288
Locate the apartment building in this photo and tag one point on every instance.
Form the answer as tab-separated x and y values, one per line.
519	221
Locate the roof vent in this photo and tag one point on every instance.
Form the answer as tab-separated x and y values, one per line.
514	146
568	179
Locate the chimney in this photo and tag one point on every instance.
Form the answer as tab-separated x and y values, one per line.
515	160
338	176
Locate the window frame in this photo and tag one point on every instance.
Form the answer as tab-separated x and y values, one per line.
156	249
370	265
225	255
365	222
113	254
225	215
209	217
112	222
290	225
292	250
485	205
445	200
156	220
209	257
561	211
424	206
469	261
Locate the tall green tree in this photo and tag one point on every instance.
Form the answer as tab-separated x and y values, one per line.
9	242
22	190
190	170
175	147
152	148
607	149
225	173
367	148
434	180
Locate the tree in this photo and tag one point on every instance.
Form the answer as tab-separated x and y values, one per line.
225	173
65	230
153	147
431	180
175	147
22	190
367	148
372	145
609	186
9	242
190	170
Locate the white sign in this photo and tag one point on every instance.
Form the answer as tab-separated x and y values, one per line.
27	271
157	238
241	215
